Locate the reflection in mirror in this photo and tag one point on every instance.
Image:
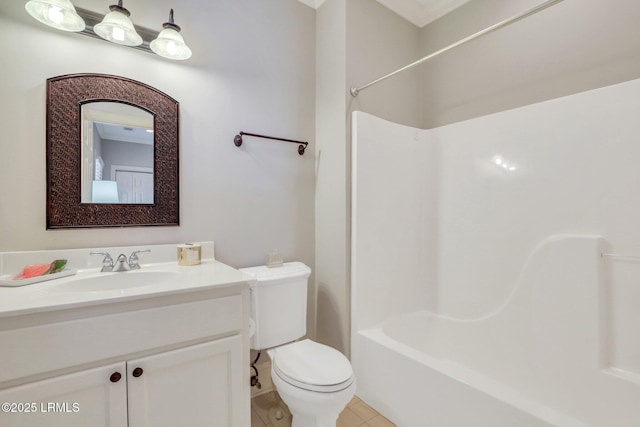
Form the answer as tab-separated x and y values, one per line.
117	154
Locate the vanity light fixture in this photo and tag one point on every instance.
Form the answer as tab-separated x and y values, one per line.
169	43
116	27
58	14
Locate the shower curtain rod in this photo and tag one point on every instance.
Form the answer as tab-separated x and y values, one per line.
355	91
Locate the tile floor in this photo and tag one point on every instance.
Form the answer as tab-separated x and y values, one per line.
356	414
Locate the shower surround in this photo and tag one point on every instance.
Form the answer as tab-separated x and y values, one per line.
496	266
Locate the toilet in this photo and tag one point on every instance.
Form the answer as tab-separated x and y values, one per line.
314	380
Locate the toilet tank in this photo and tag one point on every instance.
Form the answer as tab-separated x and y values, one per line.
278	304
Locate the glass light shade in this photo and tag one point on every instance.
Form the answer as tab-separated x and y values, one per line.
171	45
116	27
104	192
58	14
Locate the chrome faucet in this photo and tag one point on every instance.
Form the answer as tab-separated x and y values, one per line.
121	263
107	262
133	259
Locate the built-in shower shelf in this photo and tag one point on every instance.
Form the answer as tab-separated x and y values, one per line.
623	374
621	257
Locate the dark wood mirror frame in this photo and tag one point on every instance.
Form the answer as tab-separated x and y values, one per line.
65	96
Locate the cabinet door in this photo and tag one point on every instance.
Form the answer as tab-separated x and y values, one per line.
196	386
87	398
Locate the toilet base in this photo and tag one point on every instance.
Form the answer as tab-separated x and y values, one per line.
312	409
301	420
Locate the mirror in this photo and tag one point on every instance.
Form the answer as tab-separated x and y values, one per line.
112	153
117	153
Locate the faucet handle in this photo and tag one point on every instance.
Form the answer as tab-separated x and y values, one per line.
133	259
107	261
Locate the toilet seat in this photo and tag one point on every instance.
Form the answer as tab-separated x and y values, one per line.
312	366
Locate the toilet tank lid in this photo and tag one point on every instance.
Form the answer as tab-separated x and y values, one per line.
288	270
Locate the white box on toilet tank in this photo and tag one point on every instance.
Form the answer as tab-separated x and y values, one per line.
278	304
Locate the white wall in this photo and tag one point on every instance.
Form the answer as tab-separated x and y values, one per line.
379	41
356	39
252	70
123	153
332	268
568	48
566	166
394	221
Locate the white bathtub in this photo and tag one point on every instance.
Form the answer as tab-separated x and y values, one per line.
540	359
415	389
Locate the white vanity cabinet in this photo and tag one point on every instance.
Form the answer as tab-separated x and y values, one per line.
85	398
199	385
162	360
194	386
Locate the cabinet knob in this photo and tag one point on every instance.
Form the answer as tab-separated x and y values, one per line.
137	372
115	377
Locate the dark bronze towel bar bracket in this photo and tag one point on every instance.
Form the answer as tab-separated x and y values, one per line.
237	140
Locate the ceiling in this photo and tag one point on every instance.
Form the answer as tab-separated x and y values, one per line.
419	12
113	132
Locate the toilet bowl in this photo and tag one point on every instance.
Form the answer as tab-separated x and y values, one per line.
314	380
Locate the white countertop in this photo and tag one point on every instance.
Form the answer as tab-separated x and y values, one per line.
50	295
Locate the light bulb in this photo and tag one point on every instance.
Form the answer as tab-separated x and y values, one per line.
118	34
55	15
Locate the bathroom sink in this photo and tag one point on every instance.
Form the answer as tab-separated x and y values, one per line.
115	281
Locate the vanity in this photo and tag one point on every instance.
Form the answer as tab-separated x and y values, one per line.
165	345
